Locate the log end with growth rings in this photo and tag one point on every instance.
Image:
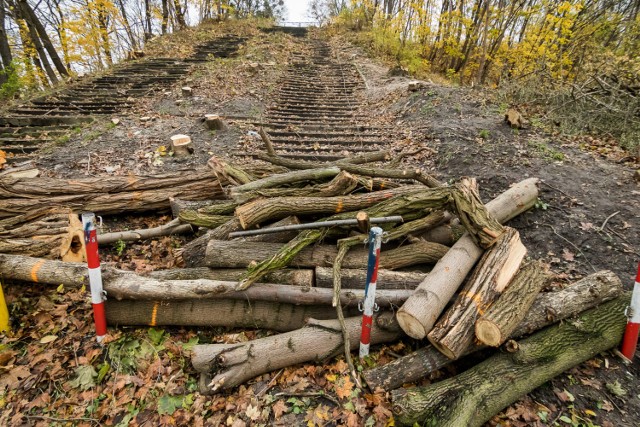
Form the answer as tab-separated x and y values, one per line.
411	326
488	333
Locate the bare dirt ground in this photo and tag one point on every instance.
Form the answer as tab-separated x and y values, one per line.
586	220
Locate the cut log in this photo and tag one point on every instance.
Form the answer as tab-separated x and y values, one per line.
202	219
215	313
267	142
233	364
454	332
519	198
343	183
514	119
496	325
178	205
187	91
548	308
449	273
181	145
230	173
238	254
278	237
302	277
123	285
259	211
356	279
172	227
194	252
473	397
48	233
215	122
107	195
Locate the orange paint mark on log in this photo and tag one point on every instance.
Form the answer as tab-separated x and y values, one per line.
480	305
340	206
154	314
35	269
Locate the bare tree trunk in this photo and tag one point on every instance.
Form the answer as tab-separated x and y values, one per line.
147	16
127	26
33	34
46	41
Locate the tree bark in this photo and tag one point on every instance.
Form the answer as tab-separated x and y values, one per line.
303	278
356	279
353	165
258	211
473	397
548	308
278	180
503	317
519	198
105	195
454	332
343	183
233	364
238	254
449	273
35	39
215	313
48	233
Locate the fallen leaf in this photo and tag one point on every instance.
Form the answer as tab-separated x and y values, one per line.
279	408
344	387
47	339
564	395
589	412
85	377
567	255
587	226
591	383
168	404
253	412
607	406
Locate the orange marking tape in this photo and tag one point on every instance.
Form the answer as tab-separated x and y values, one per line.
35	269
154	314
339	207
482	306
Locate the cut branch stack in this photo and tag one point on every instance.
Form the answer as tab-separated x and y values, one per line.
457	274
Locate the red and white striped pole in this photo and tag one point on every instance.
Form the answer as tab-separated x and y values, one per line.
630	340
375	241
95	274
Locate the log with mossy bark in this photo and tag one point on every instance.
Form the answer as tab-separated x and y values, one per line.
473	397
453	334
448	274
547	308
293	277
232	364
53	233
107	195
170	228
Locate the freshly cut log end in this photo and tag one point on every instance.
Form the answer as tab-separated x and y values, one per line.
412	326
72	248
181	145
489	333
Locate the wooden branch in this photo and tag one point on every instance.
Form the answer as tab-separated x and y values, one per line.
172	227
473	397
106	195
454	332
297	277
229	173
215	313
267	142
278	180
496	325
202	219
258	211
475	217
233	364
548	308
448	274
238	254
356	279
341	184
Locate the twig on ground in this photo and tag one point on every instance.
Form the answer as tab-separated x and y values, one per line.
572	244
601	228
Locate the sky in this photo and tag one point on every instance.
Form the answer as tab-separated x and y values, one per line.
297	10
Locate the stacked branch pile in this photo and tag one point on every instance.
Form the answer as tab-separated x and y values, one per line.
451	273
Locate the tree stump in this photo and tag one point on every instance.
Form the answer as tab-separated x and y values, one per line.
181	145
214	122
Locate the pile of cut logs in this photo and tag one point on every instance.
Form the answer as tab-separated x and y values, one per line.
450	272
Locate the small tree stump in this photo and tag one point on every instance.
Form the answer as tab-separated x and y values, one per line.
187	91
181	145
214	122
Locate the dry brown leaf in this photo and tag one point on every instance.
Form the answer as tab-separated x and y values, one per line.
279	408
344	387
